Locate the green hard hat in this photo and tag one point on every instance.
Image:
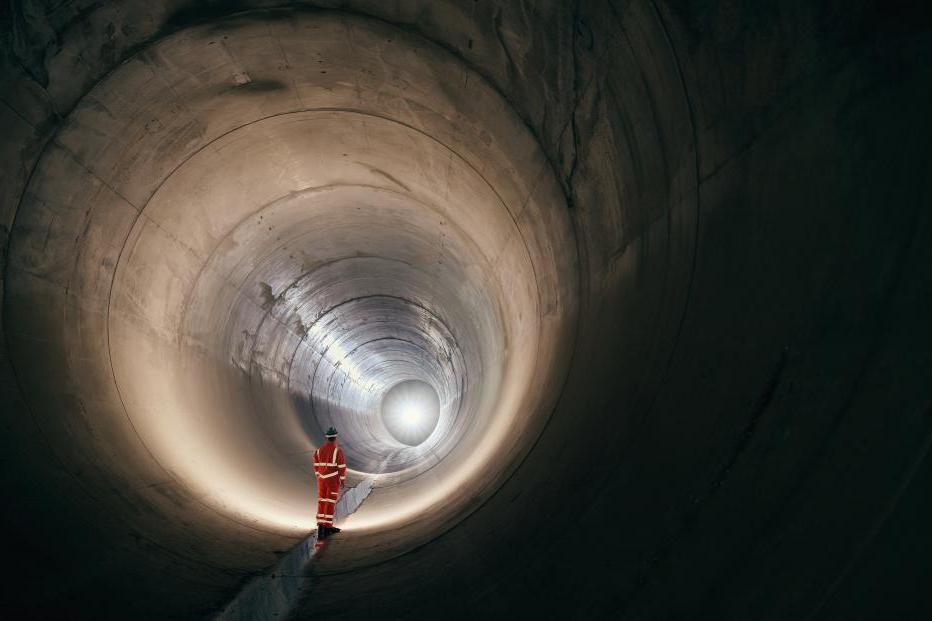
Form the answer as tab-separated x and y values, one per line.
332	432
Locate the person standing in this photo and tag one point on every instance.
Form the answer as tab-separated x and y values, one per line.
330	469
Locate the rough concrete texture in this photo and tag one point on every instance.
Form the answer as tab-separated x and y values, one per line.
665	263
276	592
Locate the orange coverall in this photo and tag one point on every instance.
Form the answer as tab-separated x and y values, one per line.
330	468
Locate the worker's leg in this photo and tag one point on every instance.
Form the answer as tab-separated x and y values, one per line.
324	504
333	492
327	490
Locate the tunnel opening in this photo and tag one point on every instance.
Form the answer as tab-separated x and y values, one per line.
411	410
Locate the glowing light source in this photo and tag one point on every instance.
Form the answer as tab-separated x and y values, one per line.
410	411
412	414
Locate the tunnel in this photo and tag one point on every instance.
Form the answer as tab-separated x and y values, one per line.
621	307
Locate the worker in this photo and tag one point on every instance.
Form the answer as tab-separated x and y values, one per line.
330	468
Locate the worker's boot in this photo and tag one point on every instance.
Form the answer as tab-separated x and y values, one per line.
321	532
332	530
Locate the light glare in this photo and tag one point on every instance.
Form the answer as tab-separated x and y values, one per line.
410	411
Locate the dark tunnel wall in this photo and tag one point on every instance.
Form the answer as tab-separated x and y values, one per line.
743	429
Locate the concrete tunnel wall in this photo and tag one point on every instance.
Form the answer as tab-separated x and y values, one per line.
668	263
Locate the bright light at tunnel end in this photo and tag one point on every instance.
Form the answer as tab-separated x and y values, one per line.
410	411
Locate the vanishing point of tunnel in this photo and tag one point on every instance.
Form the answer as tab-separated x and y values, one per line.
622	308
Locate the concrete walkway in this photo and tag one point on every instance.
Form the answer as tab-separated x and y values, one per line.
275	593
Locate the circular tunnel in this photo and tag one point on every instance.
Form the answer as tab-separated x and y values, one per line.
290	245
578	284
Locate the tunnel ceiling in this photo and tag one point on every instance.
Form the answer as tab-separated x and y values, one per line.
662	265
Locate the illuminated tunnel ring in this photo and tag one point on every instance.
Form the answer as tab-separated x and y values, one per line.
222	225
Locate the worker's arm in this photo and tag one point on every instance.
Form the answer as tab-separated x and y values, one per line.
341	466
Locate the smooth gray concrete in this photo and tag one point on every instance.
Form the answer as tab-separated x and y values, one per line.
276	592
667	266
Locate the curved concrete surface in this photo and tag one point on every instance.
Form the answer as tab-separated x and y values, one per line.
665	266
